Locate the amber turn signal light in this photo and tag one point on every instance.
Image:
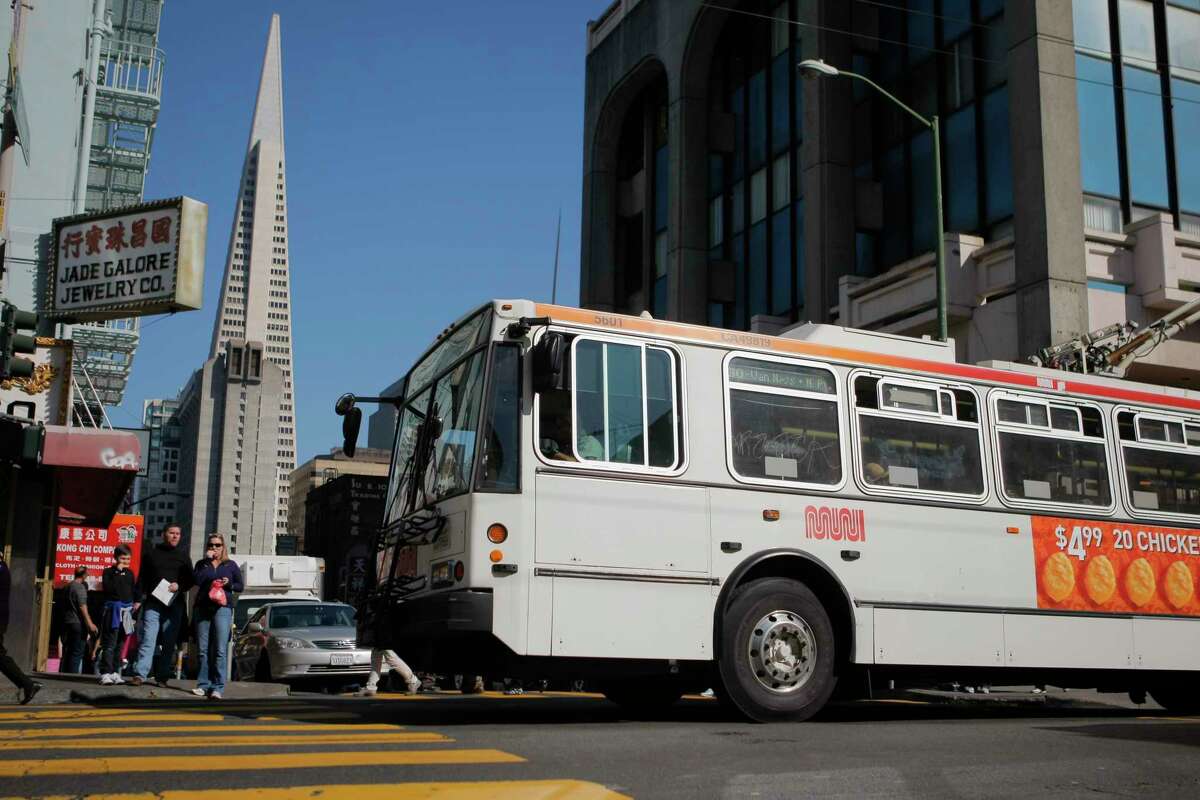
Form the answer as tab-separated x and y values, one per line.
496	556
770	515
497	533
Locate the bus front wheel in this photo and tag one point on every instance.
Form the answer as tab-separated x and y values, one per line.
777	651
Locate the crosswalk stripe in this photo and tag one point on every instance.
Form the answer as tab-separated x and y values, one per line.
112	717
317	715
106	765
78	731
449	790
129	743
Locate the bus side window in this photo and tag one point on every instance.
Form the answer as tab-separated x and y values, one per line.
1047	455
784	424
905	448
1162	463
623	407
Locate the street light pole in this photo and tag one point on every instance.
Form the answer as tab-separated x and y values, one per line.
815	68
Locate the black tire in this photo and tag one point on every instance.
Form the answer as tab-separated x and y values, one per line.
1177	698
798	681
643	695
262	671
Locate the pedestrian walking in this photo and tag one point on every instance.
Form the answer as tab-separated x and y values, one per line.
166	574
77	623
378	657
7	666
218	580
121	602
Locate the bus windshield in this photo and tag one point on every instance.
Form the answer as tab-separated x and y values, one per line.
432	462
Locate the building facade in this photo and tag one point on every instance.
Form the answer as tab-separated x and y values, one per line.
158	492
320	470
237	413
341	518
723	187
79	153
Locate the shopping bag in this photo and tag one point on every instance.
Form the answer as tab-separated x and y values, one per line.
127	623
217	595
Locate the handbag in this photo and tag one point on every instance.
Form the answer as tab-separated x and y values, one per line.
217	595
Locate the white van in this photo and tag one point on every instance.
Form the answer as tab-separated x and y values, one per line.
272	579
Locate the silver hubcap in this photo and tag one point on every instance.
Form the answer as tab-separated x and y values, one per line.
783	652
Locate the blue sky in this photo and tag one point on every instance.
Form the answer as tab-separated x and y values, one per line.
430	147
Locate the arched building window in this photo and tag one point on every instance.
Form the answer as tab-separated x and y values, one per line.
756	217
642	198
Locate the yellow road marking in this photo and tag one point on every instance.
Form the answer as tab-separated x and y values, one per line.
903	702
105	765
79	731
226	741
318	715
1174	719
472	790
111	717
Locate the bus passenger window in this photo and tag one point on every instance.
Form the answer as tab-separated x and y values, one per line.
1162	464
902	448
784	423
1045	455
623	407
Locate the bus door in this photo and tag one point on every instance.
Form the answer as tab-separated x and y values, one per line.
620	541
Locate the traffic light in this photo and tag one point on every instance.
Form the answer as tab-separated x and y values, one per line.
12	341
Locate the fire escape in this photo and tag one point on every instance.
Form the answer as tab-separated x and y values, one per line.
128	95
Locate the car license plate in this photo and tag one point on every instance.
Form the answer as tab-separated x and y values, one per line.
341	659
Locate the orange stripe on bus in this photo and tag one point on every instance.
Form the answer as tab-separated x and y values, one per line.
741	339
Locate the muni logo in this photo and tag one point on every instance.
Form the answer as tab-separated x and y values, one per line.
835	523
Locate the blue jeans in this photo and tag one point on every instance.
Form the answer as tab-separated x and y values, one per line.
73	643
160	629
212	638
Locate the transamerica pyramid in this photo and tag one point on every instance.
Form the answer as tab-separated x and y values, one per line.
243	422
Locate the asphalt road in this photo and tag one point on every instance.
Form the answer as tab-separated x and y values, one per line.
576	746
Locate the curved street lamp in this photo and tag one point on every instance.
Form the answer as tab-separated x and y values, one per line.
817	68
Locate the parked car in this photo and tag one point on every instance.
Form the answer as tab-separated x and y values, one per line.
297	642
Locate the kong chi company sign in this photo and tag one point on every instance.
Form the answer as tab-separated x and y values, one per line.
128	262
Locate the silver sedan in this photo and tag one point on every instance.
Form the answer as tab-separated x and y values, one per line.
291	642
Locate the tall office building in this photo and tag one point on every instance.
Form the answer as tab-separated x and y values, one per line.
723	185
237	412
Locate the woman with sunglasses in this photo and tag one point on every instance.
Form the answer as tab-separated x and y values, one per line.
218	579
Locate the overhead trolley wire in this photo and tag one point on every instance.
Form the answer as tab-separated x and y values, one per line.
943	51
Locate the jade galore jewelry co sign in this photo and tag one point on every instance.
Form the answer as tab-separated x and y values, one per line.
134	261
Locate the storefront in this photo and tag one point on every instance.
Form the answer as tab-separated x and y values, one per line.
58	478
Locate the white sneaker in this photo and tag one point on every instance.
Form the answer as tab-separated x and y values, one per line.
106	679
214	695
367	692
116	678
199	692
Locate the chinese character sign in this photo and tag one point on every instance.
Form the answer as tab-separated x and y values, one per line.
92	547
142	259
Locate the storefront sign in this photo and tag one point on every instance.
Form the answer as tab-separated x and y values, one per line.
92	547
145	259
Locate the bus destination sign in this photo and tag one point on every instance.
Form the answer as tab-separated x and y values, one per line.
781	376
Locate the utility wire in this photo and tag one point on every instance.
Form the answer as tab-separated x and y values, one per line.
942	51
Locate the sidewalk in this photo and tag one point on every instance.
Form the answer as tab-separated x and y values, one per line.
63	688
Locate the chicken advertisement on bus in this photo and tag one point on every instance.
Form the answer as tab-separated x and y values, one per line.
1120	567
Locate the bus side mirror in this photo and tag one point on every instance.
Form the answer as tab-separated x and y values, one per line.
351	422
549	359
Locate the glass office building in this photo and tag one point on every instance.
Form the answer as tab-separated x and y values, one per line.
721	186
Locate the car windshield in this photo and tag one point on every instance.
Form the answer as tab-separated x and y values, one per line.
312	615
445	387
247	607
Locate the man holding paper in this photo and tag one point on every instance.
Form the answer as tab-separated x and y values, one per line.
166	575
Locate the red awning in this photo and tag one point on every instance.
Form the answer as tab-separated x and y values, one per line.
93	468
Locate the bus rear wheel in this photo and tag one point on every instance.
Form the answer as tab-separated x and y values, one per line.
777	651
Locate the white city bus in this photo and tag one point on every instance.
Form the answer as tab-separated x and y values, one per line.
660	508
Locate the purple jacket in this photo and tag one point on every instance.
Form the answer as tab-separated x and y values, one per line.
206	573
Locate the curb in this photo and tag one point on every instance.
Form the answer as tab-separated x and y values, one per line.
58	689
1050	700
